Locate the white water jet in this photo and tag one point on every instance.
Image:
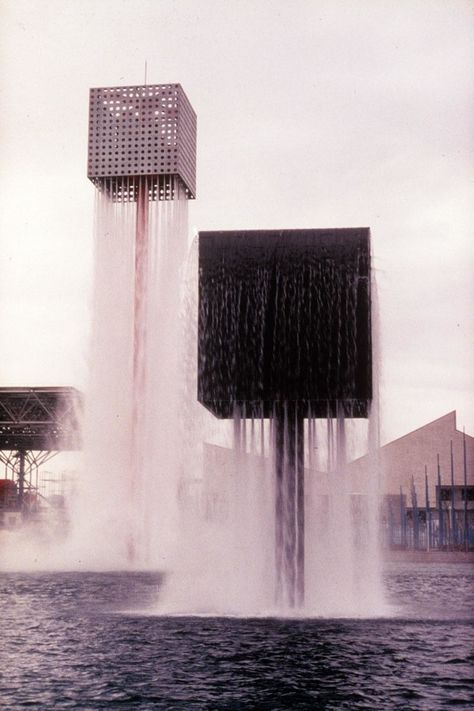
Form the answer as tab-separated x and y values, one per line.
164	485
126	512
228	562
204	513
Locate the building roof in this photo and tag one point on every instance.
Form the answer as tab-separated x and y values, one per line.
40	418
447	421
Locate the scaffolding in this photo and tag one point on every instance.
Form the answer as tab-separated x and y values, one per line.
35	425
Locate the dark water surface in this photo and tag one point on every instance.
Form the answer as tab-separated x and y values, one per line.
67	642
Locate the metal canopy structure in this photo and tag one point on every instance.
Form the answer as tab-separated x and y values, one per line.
35	424
39	419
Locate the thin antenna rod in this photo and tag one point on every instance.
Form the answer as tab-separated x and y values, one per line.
146	62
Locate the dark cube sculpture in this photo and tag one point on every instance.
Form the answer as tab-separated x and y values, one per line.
284	316
284	332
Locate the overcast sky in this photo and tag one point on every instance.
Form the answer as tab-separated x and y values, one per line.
310	114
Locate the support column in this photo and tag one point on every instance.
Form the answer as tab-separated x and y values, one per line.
21	477
441	526
289	505
427	513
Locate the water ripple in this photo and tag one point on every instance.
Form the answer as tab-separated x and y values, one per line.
65	645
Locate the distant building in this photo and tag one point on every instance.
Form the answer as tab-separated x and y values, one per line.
402	463
436	459
427	480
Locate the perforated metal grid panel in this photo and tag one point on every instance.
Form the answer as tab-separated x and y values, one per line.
141	131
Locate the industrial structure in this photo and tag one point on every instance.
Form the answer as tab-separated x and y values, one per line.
142	161
35	424
142	149
284	333
141	138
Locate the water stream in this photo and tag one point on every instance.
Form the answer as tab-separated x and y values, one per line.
212	504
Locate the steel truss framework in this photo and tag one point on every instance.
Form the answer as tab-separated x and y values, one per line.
36	424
